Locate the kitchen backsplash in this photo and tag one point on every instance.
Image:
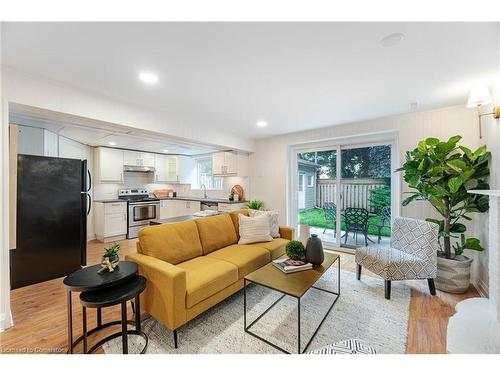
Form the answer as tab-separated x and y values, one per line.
135	180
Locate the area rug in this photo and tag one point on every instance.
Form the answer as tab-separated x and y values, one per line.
361	312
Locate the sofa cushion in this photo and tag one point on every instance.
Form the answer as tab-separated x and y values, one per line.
205	277
254	229
247	258
276	247
216	232
173	243
274	220
236	220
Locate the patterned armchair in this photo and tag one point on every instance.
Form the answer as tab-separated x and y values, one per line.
411	256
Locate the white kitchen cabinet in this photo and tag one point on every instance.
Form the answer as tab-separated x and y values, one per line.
37	141
50	143
131	158
229	163
110	221
173	208
147	159
228	207
139	159
166	169
109	165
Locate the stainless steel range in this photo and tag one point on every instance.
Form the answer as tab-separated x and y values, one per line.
141	209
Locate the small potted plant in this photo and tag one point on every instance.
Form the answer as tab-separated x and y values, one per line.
295	250
255	204
110	259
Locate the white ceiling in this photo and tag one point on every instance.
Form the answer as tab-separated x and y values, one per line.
297	76
100	134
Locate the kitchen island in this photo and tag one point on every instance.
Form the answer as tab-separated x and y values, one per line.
173	219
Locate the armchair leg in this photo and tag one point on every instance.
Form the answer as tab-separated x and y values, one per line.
175	338
387	289
358	272
379	234
432	287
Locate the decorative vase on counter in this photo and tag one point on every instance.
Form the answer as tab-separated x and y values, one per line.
314	250
304	234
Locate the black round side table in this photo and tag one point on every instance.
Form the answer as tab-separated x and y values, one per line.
88	279
115	295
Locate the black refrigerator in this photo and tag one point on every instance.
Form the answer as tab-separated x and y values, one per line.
53	202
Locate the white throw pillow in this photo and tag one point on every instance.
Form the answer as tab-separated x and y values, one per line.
274	220
254	229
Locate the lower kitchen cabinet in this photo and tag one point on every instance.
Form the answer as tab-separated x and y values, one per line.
173	208
110	221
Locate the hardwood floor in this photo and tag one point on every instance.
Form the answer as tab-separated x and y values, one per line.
39	313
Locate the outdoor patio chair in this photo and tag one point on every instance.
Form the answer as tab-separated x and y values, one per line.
385	220
330	212
356	221
412	254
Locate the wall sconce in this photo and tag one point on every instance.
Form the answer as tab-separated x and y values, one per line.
479	96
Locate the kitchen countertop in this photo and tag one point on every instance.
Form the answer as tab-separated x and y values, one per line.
211	200
198	199
109	200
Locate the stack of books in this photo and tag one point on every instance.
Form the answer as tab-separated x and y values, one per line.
290	266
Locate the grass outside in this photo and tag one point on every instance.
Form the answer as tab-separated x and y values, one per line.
316	218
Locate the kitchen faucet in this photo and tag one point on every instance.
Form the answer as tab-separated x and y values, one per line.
204	190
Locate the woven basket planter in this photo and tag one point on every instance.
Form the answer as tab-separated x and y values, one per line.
453	275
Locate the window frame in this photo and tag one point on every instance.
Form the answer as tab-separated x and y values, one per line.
214	183
311	184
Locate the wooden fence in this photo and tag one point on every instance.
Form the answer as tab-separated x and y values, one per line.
355	191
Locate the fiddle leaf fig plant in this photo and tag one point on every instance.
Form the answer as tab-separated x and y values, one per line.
441	173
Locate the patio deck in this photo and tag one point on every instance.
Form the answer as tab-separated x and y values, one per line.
351	242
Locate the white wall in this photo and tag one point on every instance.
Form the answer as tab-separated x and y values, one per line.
5	313
269	163
491	137
26	89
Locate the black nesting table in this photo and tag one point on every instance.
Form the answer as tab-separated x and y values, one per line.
101	290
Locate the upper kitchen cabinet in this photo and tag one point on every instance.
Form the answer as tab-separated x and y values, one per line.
139	159
36	141
166	168
109	164
229	163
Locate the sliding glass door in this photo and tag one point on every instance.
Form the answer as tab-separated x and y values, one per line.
343	193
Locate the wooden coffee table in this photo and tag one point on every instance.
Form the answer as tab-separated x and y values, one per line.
293	284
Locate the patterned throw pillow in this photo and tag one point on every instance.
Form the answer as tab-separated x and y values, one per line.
254	229
274	220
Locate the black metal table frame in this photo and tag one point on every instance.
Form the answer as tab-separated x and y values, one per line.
99	325
299	351
124	331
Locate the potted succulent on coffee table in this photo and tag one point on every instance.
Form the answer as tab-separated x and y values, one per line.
442	173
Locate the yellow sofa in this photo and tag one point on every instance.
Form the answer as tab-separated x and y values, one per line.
193	265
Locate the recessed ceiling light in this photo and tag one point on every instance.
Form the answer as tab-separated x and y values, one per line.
112	143
392	40
165	150
148	78
261	124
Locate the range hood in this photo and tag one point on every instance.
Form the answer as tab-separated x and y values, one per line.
137	168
